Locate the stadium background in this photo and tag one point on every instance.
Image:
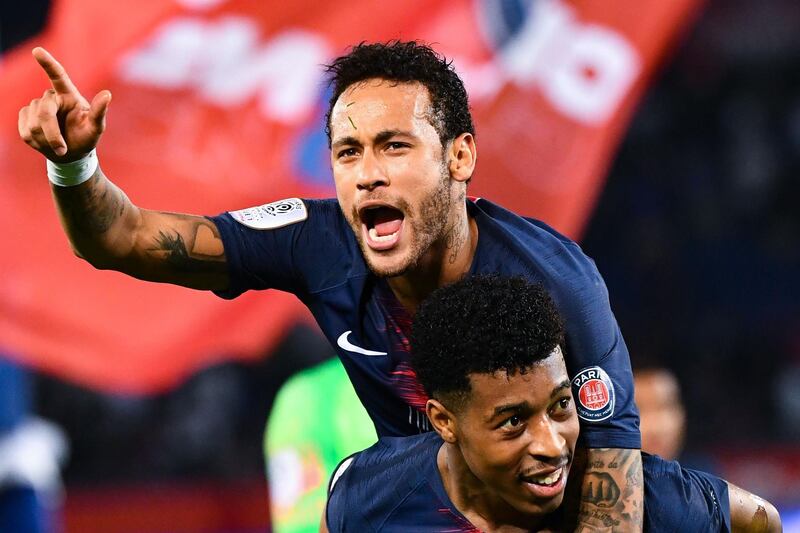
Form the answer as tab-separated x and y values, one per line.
695	231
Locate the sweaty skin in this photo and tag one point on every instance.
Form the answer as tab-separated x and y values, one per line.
393	159
751	514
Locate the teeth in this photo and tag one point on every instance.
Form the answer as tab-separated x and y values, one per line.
550	479
373	234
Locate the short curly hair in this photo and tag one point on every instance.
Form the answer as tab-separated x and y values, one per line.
481	325
406	62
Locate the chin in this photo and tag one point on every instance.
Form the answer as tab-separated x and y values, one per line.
539	508
551	505
387	267
390	263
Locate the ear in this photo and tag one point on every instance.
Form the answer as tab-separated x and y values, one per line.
462	156
443	420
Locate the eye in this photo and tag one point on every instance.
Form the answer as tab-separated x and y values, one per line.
562	406
512	422
395	146
346	152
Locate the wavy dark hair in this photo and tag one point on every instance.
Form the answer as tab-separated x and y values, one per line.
481	325
406	62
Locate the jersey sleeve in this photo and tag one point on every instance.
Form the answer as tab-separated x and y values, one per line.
597	359
680	499
596	355
291	245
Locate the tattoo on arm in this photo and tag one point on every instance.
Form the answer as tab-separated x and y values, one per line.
600	489
204	254
611	492
92	209
107	230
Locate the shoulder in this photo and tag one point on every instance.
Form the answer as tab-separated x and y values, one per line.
510	244
681	499
528	243
391	457
367	486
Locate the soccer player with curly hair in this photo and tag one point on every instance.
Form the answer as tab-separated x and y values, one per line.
490	353
403	150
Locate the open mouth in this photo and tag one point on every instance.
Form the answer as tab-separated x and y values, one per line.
546	485
382	226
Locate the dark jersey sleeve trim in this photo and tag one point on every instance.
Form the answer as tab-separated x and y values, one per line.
607	438
232	259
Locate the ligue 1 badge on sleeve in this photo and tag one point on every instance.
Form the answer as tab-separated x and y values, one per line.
272	216
594	394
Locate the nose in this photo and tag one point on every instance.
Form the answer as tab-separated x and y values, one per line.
371	173
546	442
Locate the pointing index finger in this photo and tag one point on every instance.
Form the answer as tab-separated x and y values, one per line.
58	76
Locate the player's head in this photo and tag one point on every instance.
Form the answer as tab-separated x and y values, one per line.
402	149
487	350
406	62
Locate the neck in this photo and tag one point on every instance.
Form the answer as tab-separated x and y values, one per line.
477	502
446	261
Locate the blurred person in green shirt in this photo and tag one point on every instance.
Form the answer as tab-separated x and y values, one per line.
317	420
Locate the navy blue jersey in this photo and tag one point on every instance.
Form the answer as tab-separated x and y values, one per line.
307	248
395	486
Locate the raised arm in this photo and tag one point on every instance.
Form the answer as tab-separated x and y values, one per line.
103	225
612	492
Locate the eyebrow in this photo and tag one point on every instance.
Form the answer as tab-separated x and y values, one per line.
380	138
561	386
348	140
520	406
509	408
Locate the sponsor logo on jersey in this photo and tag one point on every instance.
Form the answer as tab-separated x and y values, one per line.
594	394
345	344
271	216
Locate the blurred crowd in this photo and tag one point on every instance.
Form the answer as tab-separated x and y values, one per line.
697	229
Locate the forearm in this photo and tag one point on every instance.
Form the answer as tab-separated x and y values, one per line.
611	497
99	220
106	229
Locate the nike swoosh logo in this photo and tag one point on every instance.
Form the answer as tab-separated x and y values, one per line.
345	344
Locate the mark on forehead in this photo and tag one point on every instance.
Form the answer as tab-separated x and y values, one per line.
351	103
351	122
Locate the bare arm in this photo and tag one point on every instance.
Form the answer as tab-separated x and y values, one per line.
103	225
107	230
751	514
607	491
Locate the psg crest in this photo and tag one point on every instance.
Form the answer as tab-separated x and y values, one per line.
594	394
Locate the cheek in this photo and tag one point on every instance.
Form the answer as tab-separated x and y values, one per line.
497	460
571	432
344	193
417	171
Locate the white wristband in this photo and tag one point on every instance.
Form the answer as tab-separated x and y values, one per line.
74	173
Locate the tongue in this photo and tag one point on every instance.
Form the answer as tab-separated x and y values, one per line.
387	221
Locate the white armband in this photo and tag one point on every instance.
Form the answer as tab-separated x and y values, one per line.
74	173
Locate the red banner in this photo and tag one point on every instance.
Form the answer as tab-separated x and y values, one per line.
218	105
